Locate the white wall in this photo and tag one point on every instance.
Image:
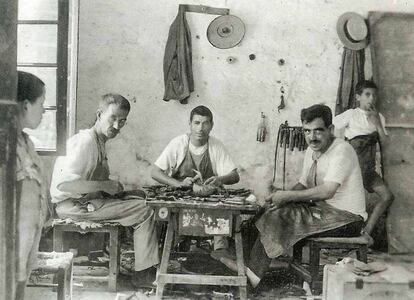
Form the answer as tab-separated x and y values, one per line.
121	49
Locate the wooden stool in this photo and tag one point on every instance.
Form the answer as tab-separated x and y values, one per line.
311	273
59	264
114	253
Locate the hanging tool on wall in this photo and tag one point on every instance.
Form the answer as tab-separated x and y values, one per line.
225	31
261	129
292	142
282	99
288	138
282	136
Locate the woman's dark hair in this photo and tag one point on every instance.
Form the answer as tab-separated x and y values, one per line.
317	111
29	87
201	111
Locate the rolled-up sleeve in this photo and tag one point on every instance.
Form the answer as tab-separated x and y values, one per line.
166	160
342	120
221	159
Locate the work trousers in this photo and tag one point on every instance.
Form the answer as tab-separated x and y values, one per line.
127	213
259	261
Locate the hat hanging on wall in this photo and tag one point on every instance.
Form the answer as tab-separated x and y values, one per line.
352	31
225	31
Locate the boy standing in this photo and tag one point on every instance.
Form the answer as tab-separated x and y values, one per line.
364	127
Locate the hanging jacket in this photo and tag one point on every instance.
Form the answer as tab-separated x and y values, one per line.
178	74
352	71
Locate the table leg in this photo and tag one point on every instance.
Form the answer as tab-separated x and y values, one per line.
240	259
165	256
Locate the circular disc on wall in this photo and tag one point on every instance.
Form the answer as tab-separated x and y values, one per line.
225	31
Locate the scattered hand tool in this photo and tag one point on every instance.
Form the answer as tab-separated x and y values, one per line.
282	99
282	136
261	130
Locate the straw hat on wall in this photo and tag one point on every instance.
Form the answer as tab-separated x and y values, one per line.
352	31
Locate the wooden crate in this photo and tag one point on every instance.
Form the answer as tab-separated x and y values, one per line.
395	283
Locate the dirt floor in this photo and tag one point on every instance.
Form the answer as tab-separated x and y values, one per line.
279	283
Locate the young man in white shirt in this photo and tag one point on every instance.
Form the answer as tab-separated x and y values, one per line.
197	151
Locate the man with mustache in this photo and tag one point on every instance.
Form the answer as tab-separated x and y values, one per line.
82	190
328	200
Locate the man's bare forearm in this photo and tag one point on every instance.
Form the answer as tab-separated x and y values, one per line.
230	178
158	175
382	136
300	194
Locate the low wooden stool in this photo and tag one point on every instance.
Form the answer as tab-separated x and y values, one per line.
60	264
60	226
311	274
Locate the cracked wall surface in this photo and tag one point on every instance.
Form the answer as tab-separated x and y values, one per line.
121	48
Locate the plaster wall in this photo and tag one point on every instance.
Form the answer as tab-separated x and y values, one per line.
121	48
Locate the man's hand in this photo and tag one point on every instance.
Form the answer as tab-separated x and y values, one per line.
112	187
373	117
213	180
276	199
188	181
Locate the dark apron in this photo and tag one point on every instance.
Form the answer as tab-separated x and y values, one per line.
366	148
101	173
188	165
281	228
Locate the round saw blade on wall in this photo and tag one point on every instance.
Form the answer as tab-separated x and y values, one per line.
225	31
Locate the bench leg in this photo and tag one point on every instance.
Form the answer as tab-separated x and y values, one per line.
113	259
57	239
61	281
69	278
314	255
297	251
165	256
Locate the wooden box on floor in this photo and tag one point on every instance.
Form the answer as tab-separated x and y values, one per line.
59	264
395	283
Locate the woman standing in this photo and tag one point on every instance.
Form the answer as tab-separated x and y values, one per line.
31	183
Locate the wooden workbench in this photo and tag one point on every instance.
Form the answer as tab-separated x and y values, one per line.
173	212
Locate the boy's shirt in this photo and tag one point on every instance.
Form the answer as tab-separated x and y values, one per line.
356	123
